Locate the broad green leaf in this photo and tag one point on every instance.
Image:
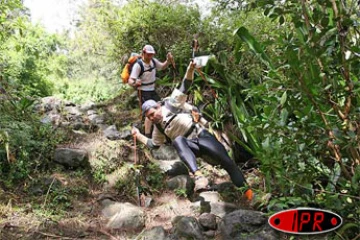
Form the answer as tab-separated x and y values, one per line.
284	116
245	36
283	98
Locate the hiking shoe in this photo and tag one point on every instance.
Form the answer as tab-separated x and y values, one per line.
257	200
201	183
249	195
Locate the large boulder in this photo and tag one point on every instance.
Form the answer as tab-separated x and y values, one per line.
246	225
71	158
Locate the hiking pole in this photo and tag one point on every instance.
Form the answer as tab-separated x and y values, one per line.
195	47
175	71
135	150
139	96
137	173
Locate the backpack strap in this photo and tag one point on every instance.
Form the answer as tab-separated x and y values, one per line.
142	68
149	83
158	125
162	130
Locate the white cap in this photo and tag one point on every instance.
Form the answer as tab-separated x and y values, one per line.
149	49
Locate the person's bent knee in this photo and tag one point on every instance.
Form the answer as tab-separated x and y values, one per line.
178	141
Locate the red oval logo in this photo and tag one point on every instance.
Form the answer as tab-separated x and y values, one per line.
305	221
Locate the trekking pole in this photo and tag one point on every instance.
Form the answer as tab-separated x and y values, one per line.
195	47
139	95
135	150
137	174
175	71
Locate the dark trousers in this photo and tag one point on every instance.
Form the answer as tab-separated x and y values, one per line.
207	145
147	95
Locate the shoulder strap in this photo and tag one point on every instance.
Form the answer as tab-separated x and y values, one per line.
143	68
140	62
158	125
162	130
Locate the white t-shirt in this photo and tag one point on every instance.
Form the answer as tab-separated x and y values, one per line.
148	76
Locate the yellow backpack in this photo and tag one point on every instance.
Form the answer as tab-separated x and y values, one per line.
126	72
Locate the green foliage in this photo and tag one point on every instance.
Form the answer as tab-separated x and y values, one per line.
287	76
154	176
305	123
25	56
165	26
181	192
129	181
26	144
7	9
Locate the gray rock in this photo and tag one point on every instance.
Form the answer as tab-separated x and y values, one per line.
209	196
91	112
210	234
51	104
73	111
210	202
181	182
246	224
124	216
222	208
105	196
187	227
43	185
165	152
79	125
126	134
112	133
87	106
53	118
72	158
208	221
173	168
156	233
45	120
96	119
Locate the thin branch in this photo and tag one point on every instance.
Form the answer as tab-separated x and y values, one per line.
334	147
307	21
357	237
47	194
55	236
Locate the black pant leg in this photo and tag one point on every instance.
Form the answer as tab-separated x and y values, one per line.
211	147
187	150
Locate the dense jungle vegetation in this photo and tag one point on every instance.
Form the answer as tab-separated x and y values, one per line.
285	73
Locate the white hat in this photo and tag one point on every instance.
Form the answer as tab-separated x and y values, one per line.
149	49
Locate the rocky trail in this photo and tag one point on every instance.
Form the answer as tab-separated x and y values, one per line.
91	190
